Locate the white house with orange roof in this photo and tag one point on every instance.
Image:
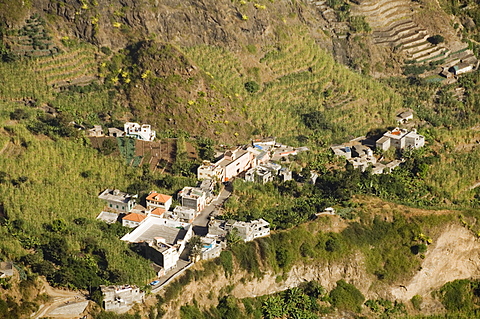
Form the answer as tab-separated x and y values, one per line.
157	200
157	212
132	220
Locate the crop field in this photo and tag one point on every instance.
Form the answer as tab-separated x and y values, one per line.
302	78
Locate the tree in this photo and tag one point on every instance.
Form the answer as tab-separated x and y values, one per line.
436	39
195	247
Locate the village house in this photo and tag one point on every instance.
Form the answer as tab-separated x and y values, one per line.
263	173
461	68
247	231
230	165
192	197
211	248
132	220
404	117
96	131
161	240
157	200
115	132
141	132
400	139
118	200
120	299
6	269
185	214
157	212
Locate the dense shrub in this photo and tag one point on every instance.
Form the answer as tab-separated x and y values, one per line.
346	296
252	87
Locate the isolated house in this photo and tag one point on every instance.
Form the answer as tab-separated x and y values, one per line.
115	132
6	269
120	299
400	139
118	200
461	68
157	200
193	197
404	117
141	132
96	131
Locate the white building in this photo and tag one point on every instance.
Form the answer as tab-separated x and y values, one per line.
120	299
142	132
247	231
163	240
132	220
117	200
230	165
185	214
400	139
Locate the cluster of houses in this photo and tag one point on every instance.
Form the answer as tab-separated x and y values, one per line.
359	151
162	233
254	163
142	132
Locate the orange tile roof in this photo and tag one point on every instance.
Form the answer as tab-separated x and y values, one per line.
158	197
158	211
134	217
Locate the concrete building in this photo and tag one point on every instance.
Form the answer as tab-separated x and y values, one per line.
230	165
115	132
192	197
400	139
461	68
157	200
162	240
185	214
211	248
96	131
404	117
263	173
341	150
247	231
117	200
120	299
141	132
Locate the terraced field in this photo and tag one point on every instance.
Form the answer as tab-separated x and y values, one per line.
393	25
303	78
77	67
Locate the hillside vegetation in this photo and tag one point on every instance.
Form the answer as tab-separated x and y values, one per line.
206	74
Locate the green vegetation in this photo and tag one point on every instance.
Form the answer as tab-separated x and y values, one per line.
346	296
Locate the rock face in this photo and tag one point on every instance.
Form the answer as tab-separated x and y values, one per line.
114	23
453	255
